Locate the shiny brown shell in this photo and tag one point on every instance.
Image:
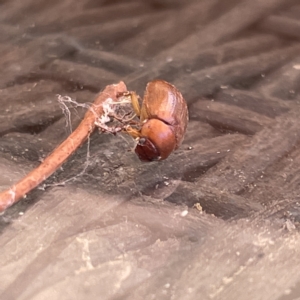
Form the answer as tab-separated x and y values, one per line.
164	115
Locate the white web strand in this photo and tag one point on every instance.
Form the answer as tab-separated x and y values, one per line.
66	103
73	178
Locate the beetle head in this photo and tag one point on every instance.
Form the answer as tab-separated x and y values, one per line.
146	150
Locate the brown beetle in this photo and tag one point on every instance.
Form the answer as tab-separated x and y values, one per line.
163	121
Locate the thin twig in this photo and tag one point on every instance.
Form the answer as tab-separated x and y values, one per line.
63	151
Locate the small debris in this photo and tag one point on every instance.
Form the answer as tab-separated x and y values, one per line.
289	225
184	213
198	206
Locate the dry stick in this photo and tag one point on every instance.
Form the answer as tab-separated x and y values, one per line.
62	152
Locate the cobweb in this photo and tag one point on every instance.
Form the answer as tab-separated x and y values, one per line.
115	115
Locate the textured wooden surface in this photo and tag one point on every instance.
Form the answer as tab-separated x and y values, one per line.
220	218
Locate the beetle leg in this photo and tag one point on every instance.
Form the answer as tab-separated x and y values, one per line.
125	119
134	98
104	128
132	131
135	103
